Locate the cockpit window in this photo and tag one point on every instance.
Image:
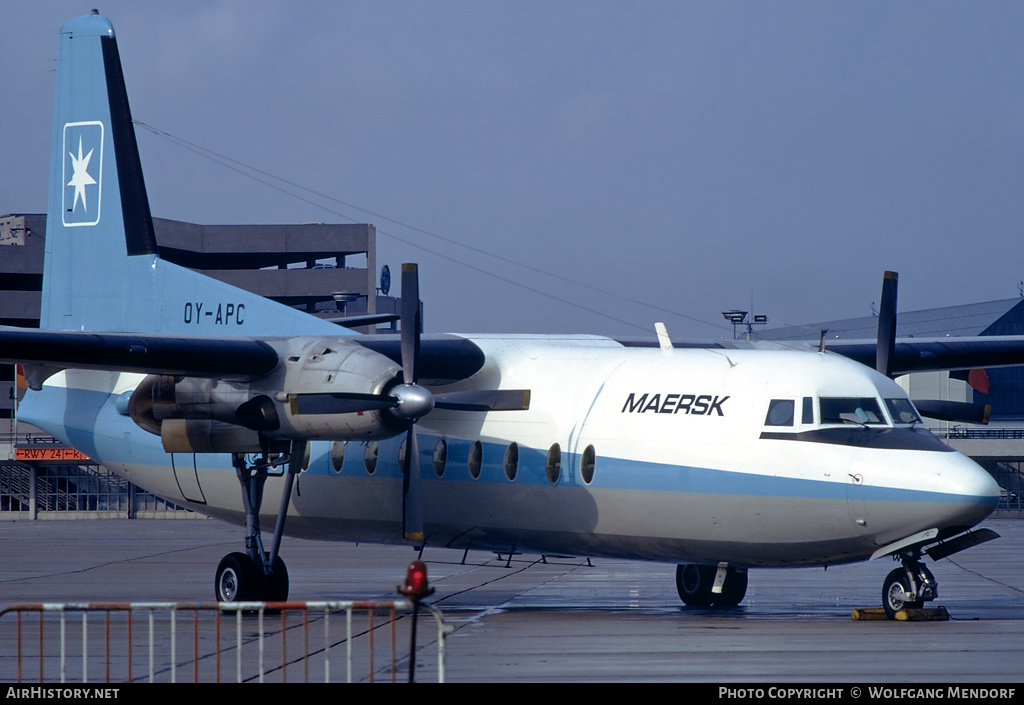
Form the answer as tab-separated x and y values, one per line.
780	413
808	410
902	411
858	410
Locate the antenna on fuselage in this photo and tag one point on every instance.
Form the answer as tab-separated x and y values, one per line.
663	340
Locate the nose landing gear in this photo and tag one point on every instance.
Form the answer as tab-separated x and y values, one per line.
908	587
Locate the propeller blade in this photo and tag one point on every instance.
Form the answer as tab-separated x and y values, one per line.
417	402
956	411
339	403
410	322
484	400
885	349
412	497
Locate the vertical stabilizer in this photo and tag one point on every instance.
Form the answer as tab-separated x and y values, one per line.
102	271
98	212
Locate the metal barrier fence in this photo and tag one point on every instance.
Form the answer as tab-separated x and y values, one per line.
295	638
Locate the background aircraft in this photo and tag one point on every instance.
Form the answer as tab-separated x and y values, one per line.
715	456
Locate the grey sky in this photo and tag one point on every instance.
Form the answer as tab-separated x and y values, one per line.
692	155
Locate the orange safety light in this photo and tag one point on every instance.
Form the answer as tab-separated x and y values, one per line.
416	586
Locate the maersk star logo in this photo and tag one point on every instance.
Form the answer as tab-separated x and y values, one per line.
83	173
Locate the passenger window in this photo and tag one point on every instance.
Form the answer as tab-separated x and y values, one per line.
588	462
440	457
780	413
475	460
338	455
512	461
370	457
553	464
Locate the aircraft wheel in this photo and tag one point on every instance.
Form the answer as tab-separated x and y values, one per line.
734	589
896	593
237	579
694	583
275	585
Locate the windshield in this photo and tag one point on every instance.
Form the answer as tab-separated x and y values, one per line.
902	411
858	410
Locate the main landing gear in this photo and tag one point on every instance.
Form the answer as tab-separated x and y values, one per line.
257	575
710	586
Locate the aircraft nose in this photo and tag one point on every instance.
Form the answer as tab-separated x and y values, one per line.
976	489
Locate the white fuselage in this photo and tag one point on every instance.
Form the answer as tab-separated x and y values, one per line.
646	453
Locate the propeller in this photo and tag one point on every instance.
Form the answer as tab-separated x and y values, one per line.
885	352
413	403
409	402
885	346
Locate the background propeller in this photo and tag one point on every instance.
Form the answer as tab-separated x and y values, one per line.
885	352
885	348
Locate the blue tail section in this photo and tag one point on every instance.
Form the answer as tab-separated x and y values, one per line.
102	271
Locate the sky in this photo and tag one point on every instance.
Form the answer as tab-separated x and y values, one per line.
590	166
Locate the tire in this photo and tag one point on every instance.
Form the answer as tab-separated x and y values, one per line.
734	589
237	579
694	583
275	585
895	593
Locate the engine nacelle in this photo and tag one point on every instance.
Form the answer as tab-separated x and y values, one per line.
193	414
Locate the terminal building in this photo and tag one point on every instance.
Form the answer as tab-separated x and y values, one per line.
327	270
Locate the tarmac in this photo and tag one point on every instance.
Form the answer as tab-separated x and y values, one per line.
531	619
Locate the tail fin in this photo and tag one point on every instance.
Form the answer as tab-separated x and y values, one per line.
102	271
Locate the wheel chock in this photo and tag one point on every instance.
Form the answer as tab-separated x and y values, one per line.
866	614
930	614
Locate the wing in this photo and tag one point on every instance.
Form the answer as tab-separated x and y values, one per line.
229	358
936	354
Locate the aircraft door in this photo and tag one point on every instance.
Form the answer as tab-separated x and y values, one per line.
856	495
187	477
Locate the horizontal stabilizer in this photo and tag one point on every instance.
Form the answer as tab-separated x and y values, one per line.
371	319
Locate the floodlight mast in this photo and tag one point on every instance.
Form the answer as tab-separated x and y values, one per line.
739	318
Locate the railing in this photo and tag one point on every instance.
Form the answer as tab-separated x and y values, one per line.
295	638
7	438
1010	434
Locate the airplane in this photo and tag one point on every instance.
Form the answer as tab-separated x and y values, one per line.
716	457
